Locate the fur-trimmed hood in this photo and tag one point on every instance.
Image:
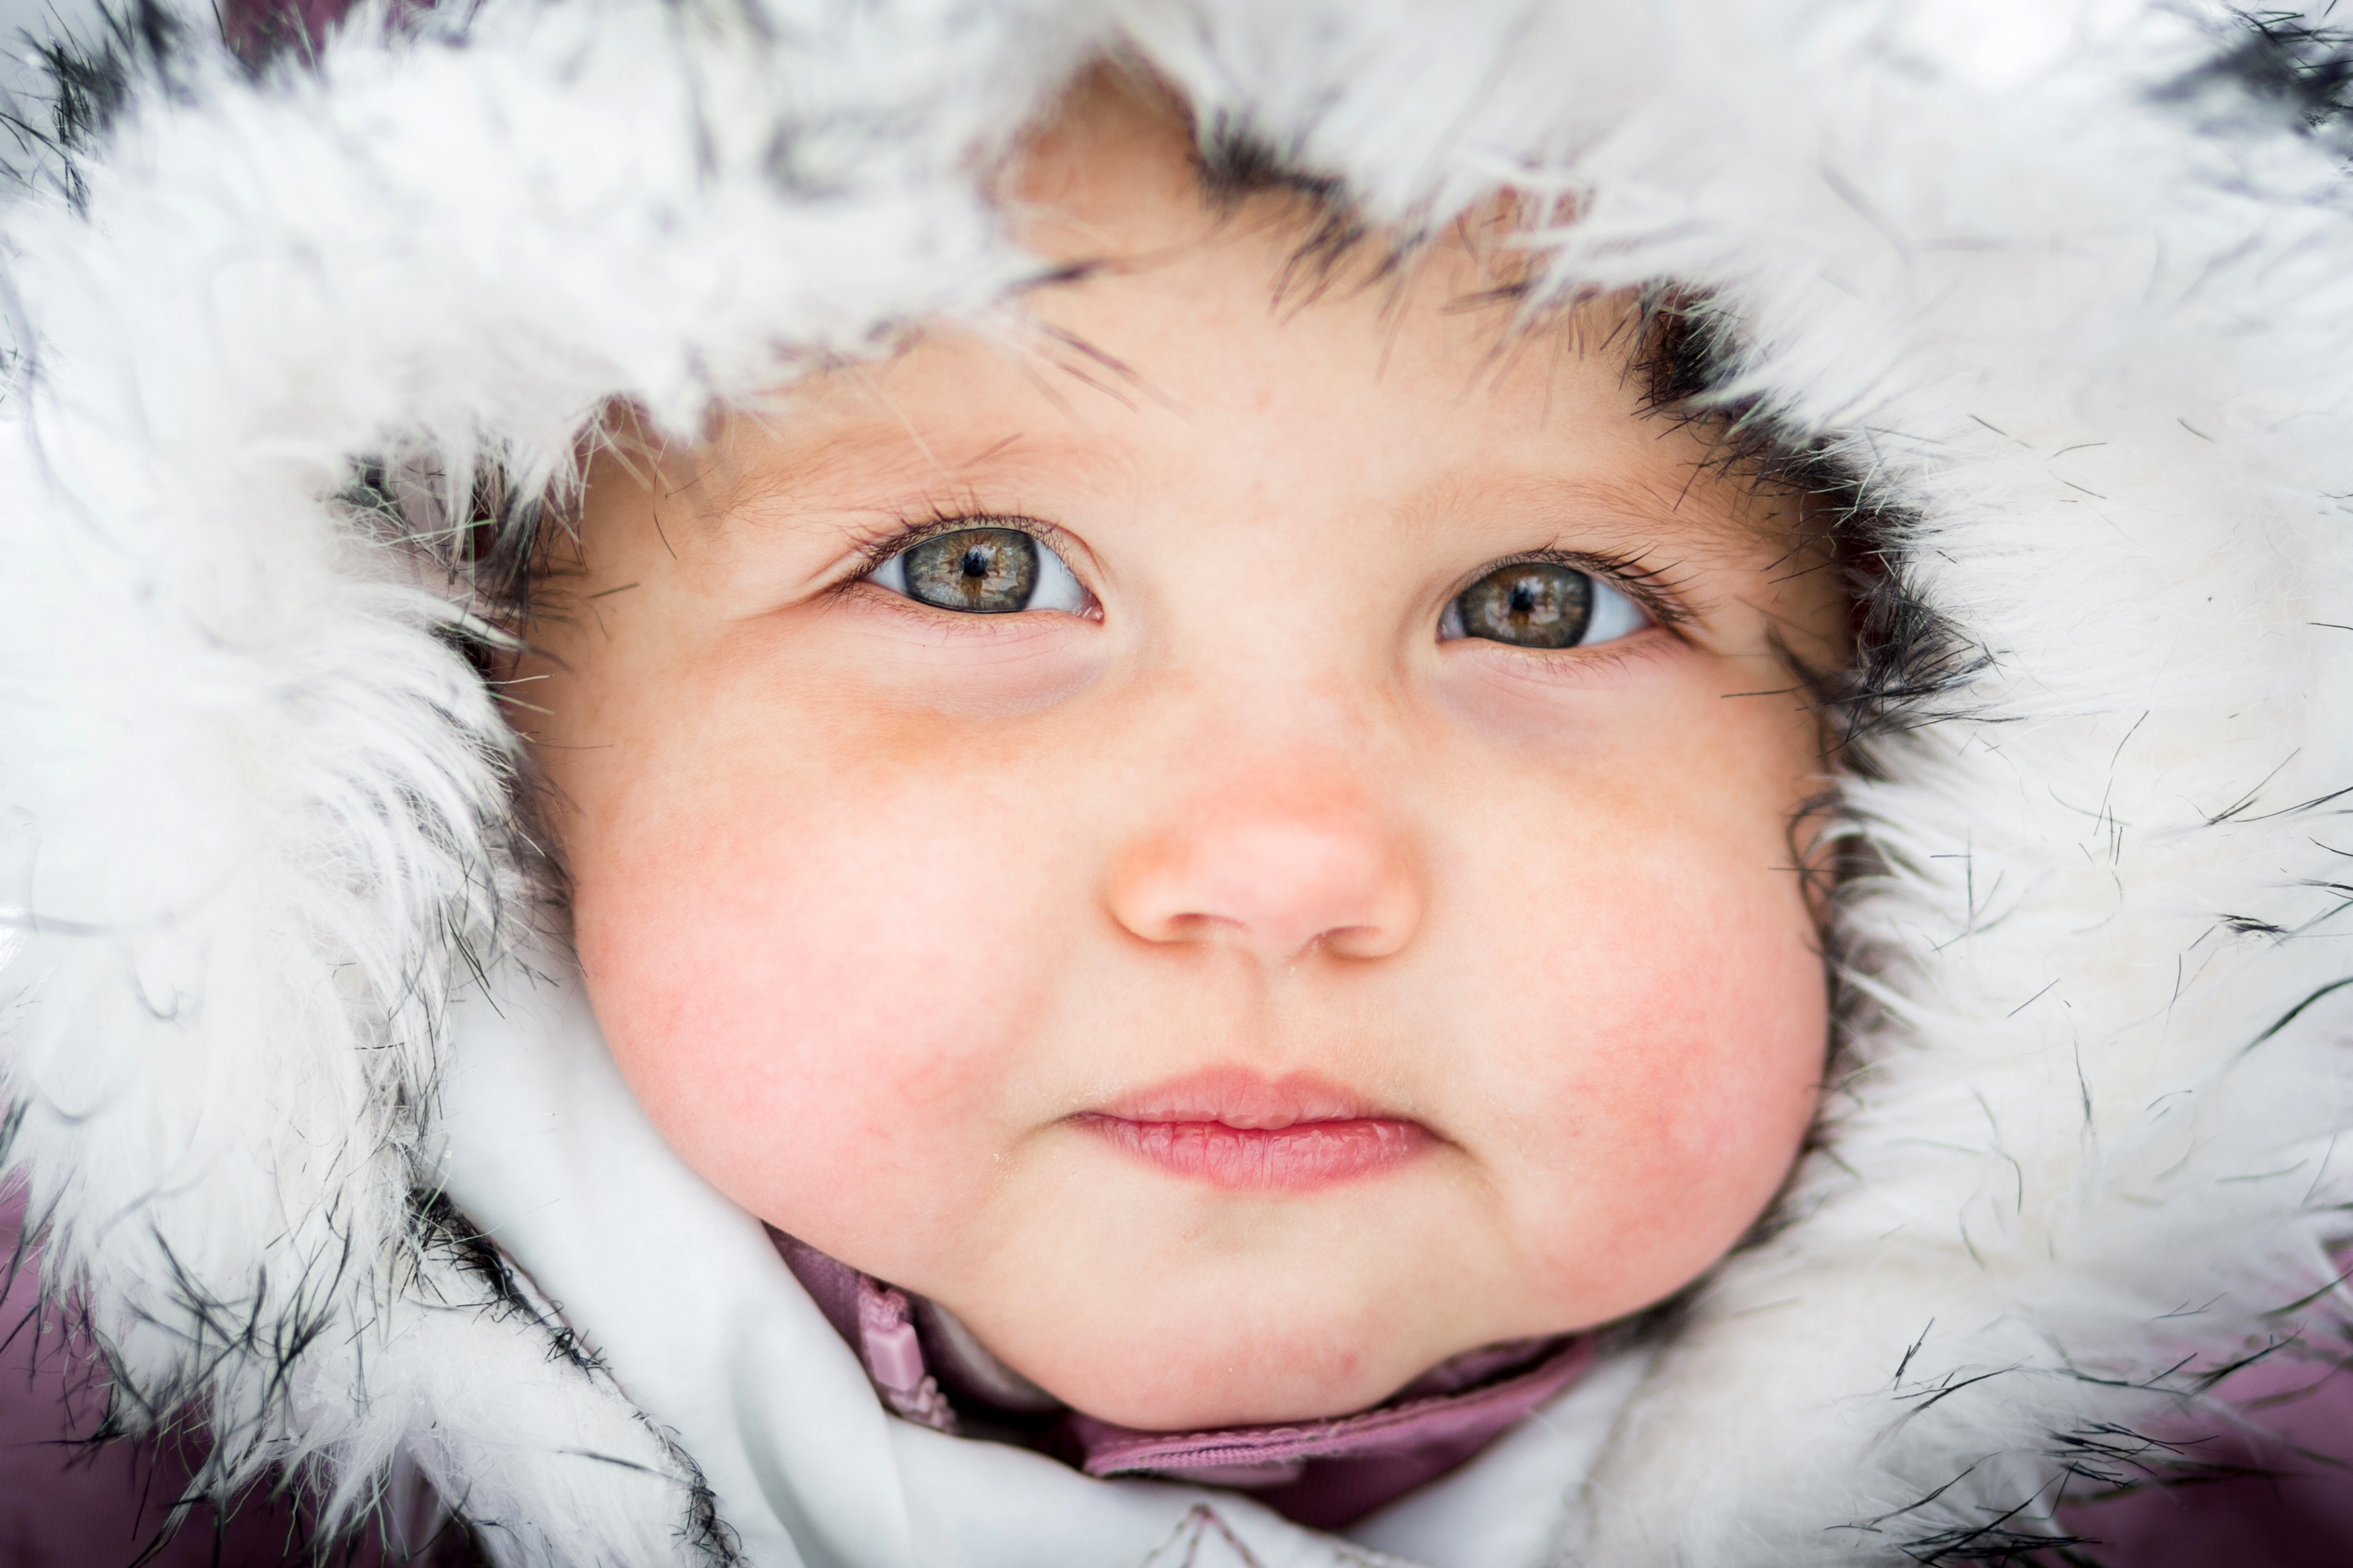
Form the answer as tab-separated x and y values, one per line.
2064	289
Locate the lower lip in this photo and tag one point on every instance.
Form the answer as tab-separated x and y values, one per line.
1303	1155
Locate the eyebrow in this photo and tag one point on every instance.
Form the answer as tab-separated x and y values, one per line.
893	471
1635	512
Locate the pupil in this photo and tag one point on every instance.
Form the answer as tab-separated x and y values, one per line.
1524	599
976	562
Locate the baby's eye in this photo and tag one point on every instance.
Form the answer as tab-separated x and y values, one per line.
982	571
1536	603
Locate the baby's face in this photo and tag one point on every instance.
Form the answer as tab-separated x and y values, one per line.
1242	858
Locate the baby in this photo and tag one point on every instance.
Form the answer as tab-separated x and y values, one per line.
1244	839
1199	869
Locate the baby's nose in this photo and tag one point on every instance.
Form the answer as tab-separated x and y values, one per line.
1277	882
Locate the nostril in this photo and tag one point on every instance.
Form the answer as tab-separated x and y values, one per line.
1200	928
1357	941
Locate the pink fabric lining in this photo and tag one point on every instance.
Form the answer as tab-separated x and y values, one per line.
2279	1487
1324	1473
1329	1473
879	1324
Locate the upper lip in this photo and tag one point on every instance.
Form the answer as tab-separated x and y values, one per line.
1242	1098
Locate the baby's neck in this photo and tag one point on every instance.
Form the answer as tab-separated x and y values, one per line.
928	1368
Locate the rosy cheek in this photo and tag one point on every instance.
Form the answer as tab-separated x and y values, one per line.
807	1032
1685	1088
1748	1019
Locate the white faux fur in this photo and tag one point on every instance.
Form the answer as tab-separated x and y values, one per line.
2084	316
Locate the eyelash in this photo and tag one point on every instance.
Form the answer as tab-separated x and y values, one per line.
1653	587
904	534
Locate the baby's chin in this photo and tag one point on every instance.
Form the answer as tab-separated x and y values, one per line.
1172	1339
1243	1369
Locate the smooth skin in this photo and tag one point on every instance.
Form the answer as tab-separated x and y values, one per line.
877	901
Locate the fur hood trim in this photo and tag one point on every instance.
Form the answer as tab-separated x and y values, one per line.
2064	289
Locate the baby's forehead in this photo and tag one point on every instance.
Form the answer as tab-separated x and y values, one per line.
1203	344
1116	171
1121	176
1206	309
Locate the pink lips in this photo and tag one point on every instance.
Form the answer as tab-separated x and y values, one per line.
1232	1128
